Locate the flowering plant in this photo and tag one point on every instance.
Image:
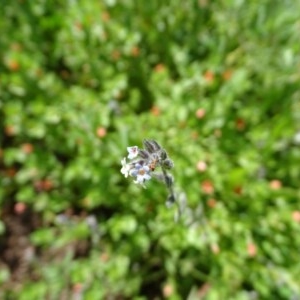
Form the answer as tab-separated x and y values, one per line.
144	164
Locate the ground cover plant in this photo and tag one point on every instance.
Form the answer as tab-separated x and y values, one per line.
215	84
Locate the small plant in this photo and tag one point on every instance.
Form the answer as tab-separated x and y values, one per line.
144	164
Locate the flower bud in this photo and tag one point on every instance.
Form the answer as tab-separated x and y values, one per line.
167	164
170	200
163	154
169	180
156	145
144	154
151	146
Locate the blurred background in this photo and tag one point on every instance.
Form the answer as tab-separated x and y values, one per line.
216	83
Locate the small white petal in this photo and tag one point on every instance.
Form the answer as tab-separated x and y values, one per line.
123	161
146	168
133	152
125	167
147	177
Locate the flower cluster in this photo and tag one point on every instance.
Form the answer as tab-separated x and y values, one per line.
144	164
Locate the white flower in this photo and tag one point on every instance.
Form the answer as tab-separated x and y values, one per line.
133	152
125	167
142	174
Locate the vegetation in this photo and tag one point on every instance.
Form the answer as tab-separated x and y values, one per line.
216	83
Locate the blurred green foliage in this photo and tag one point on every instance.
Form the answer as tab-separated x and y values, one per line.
216	83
